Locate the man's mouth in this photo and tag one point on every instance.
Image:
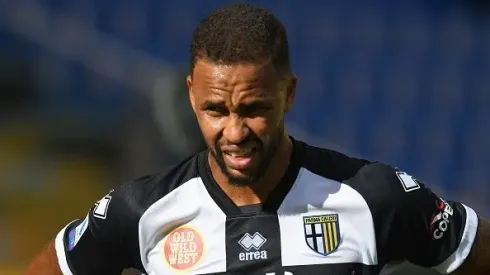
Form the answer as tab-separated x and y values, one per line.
239	159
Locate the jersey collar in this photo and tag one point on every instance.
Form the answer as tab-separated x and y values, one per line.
275	198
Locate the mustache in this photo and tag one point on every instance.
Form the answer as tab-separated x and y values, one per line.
246	143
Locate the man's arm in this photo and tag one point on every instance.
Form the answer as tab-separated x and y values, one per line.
414	224
97	244
45	263
478	262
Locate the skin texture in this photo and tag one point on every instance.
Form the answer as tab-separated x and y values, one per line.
478	262
45	263
241	107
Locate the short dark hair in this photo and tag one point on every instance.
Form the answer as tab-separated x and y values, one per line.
241	33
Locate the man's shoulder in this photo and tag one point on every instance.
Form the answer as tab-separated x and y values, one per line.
330	163
385	185
378	175
369	178
333	163
116	216
141	193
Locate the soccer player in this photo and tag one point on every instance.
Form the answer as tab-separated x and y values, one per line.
259	201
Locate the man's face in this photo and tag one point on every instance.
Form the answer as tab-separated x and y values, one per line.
240	109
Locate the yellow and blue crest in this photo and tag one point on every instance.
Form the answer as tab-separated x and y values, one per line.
322	233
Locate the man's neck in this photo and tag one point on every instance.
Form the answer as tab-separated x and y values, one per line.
258	191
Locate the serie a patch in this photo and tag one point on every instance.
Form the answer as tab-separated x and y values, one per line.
322	233
76	233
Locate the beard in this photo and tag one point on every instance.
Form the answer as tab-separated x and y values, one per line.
265	152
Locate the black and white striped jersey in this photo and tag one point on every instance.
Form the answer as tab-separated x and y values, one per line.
330	214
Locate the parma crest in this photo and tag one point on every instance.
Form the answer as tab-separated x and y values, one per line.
322	233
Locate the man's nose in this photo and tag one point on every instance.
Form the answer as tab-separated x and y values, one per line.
236	130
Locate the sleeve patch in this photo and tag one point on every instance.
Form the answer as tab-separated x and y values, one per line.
407	181
76	233
101	207
441	219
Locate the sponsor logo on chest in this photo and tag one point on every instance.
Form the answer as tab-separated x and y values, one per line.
183	248
252	244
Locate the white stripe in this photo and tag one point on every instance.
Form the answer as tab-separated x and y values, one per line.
464	248
60	252
315	195
191	205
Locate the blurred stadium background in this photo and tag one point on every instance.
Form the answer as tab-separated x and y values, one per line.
92	93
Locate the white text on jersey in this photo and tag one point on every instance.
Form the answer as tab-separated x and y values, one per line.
248	242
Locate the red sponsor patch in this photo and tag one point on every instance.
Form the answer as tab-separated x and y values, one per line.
183	248
440	204
440	220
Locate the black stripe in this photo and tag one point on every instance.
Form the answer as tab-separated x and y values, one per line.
241	257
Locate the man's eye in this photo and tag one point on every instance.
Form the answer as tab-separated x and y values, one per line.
263	108
258	109
215	111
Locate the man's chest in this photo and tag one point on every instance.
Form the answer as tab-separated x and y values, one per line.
315	242
318	229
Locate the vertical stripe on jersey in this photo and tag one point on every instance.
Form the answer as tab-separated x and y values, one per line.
253	244
162	245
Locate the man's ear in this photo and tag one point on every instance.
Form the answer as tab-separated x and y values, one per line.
191	92
290	91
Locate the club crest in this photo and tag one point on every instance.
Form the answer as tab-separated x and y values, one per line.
322	233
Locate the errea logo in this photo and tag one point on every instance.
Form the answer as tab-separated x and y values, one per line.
252	244
256	241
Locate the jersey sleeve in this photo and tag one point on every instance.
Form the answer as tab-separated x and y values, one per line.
99	243
412	223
